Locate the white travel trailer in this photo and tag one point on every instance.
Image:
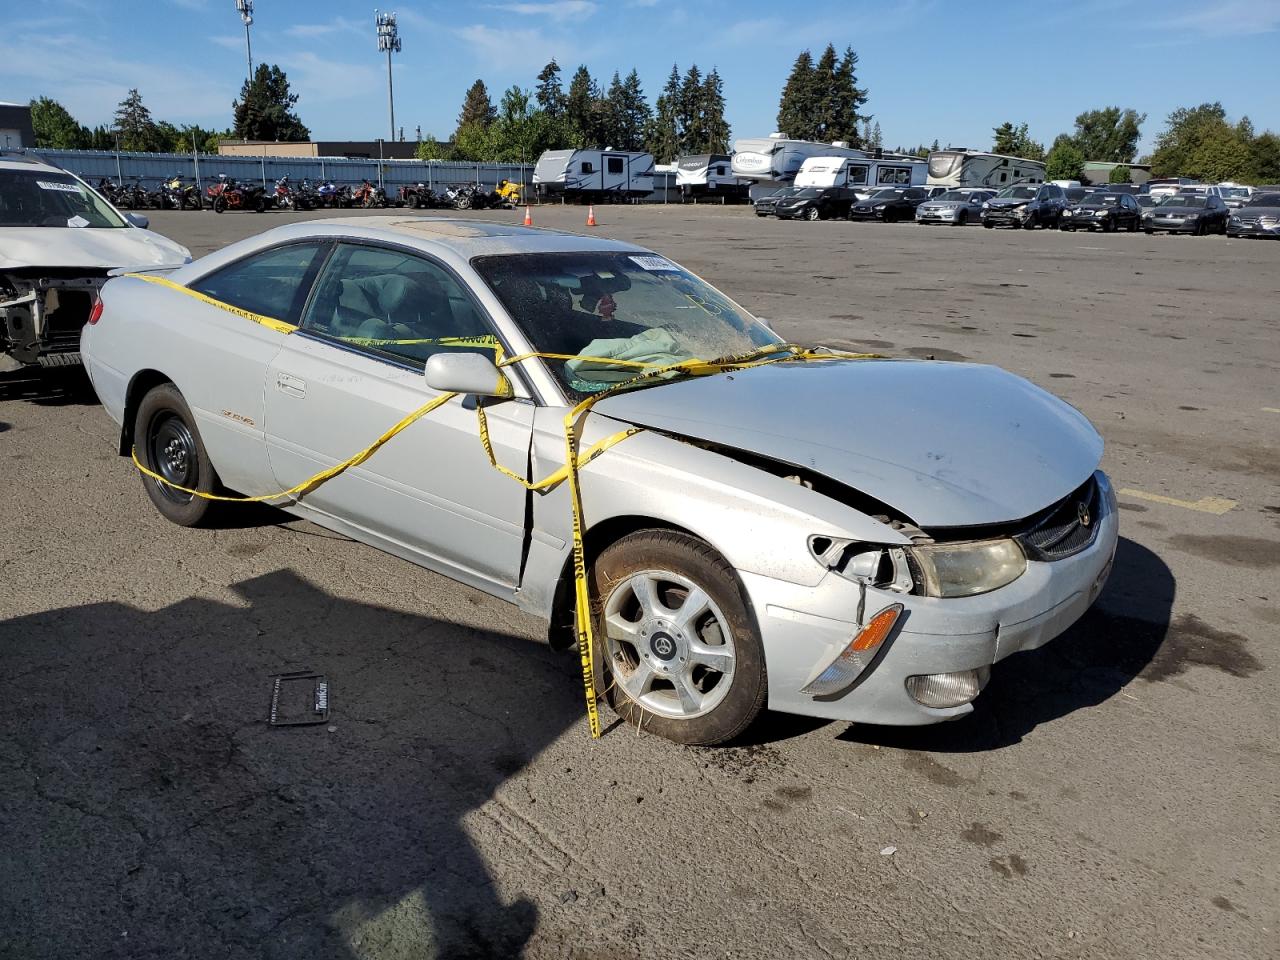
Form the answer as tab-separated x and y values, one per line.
867	171
593	176
709	175
772	162
974	168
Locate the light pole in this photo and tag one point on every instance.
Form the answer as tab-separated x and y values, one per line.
388	40
245	8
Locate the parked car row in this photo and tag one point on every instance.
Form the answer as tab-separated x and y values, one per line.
1194	209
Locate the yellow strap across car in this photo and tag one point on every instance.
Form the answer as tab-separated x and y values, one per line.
574	461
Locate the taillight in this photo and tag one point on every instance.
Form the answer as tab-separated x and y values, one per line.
95	314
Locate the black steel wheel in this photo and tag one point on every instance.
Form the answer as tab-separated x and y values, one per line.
167	443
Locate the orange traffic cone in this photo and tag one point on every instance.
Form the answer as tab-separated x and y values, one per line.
528	216
591	215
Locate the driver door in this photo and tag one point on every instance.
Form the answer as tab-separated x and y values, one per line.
353	370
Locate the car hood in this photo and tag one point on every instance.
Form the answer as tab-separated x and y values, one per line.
1008	202
943	204
947	444
1259	211
1162	211
87	247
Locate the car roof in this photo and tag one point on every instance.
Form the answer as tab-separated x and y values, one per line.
24	161
453	239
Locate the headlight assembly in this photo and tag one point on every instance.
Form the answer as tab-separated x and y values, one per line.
966	569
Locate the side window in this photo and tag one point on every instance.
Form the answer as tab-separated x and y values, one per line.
273	283
615	164
393	304
719	171
587	167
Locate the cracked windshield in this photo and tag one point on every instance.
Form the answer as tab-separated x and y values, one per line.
614	312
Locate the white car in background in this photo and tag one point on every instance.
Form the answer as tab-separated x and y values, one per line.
58	241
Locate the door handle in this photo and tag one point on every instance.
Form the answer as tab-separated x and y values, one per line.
293	386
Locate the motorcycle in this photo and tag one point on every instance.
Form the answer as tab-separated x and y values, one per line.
285	197
418	196
131	196
367	195
176	195
227	194
305	197
331	195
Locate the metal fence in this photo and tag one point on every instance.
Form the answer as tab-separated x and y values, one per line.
154	168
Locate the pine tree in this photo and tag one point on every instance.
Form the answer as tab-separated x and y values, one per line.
477	108
549	95
797	106
717	128
693	134
582	110
827	112
628	113
850	99
663	137
877	140
134	124
265	108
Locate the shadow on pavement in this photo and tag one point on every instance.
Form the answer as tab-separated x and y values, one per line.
1090	663
150	810
48	388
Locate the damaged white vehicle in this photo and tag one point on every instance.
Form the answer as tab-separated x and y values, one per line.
58	240
856	539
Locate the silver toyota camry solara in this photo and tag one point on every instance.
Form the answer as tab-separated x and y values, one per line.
855	539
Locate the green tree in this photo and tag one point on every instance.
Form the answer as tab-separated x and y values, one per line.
849	101
713	121
693	135
134	124
1199	142
798	106
55	128
473	141
1065	161
477	109
1109	135
432	149
663	136
584	110
1120	174
549	94
1266	157
265	110
627	113
1015	141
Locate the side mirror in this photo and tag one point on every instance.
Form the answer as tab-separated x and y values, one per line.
138	221
471	373
765	322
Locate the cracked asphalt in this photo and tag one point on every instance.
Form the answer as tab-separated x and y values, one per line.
1115	794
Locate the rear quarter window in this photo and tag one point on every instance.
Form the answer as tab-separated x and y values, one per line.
273	283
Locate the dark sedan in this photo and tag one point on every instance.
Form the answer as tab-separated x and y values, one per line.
1187	213
1260	217
1025	205
890	204
816	203
767	206
1103	211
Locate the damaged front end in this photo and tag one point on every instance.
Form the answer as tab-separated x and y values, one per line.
42	311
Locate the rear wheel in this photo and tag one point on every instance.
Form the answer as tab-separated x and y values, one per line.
678	651
219	204
167	443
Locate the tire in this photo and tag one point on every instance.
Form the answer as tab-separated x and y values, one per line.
1148	231
219	204
813	214
168	443
988	225
962	218
260	205
638	656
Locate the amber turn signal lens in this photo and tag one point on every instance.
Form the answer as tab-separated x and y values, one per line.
878	629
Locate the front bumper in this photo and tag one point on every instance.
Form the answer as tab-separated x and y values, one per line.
791	213
1170	226
860	213
804	628
1254	229
936	216
1006	218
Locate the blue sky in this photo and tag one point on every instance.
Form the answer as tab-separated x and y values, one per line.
927	78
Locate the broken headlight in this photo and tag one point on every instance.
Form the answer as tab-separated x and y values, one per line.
869	563
966	569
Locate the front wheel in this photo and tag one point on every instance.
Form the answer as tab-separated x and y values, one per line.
812	214
219	204
962	218
987	224
678	651
167	443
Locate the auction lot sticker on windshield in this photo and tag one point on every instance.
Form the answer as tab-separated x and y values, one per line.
654	263
60	187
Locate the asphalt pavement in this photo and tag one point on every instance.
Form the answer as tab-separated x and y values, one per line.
1115	794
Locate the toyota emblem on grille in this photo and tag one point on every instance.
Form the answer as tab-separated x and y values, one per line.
1082	514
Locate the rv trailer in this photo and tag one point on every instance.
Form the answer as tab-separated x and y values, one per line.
709	175
862	174
593	176
772	162
974	168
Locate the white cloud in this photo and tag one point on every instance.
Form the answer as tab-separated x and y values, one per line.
507	49
336	25
1229	18
555	9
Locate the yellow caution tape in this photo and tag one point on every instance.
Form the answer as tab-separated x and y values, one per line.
573	421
